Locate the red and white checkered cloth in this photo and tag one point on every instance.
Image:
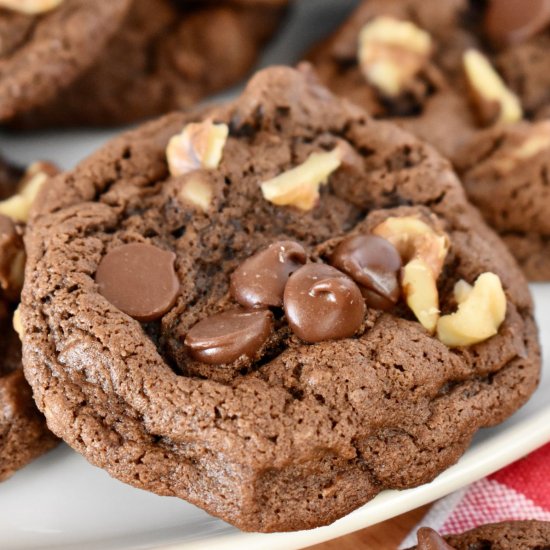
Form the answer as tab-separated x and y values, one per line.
519	491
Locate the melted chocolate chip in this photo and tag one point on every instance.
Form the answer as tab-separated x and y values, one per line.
322	303
140	280
225	337
428	539
10	245
260	280
513	21
374	264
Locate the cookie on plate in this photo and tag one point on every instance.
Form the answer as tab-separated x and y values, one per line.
46	44
274	309
509	535
166	55
23	432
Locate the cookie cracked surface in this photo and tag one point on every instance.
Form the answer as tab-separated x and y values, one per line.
297	435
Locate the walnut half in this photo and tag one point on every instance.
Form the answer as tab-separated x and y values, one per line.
392	52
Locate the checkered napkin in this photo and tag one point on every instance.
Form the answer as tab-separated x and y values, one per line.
519	491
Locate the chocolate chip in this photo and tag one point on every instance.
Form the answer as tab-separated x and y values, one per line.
140	280
225	337
428	539
322	303
260	280
513	21
10	245
374	264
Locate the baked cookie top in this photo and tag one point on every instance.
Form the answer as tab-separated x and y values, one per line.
166	55
509	535
23	432
46	44
215	308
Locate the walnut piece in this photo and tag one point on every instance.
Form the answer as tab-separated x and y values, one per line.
392	52
30	7
196	189
18	206
491	98
200	145
17	325
423	251
481	311
299	186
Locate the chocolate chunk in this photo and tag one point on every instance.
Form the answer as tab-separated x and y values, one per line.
513	21
374	264
322	303
10	245
140	280
428	539
260	280
225	337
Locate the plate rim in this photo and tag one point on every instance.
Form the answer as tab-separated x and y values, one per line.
480	461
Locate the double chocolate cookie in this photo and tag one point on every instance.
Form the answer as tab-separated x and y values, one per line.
23	432
274	309
46	44
461	75
166	55
511	535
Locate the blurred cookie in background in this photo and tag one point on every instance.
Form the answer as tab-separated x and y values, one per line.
166	55
46	44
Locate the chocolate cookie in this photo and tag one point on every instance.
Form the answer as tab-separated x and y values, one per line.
45	50
166	55
242	309
23	432
510	535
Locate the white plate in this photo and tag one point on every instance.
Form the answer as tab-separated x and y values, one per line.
61	502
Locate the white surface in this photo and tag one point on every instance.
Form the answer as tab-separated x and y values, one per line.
61	502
